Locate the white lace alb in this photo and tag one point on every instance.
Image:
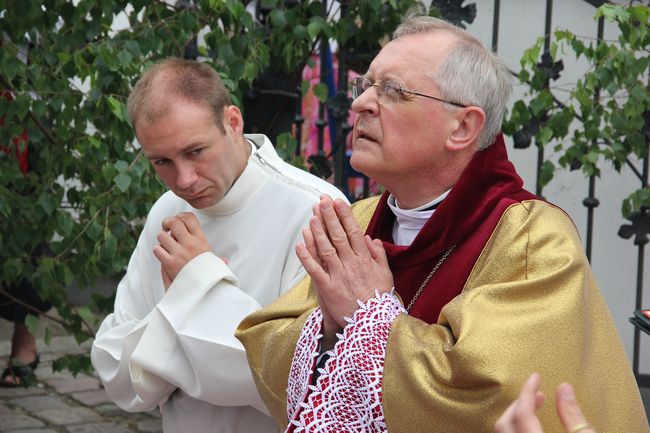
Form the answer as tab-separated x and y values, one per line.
347	395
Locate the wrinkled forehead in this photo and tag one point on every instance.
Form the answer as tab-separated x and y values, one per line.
413	56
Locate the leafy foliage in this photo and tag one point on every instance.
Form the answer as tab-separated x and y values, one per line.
611	102
77	212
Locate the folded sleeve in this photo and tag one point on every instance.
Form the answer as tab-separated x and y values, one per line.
144	350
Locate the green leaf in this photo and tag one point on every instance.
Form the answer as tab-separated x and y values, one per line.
304	87
117	107
10	67
542	103
86	314
125	57
321	91
94	142
31	322
544	135
314	28
634	202
121	166
64	57
278	19
613	13
122	181
47	202
47	338
546	173
593	156
300	32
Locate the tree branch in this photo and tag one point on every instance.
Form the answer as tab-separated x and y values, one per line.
42	127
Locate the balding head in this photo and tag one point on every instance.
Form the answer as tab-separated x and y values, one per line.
175	79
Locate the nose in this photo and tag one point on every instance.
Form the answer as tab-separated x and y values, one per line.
367	102
186	176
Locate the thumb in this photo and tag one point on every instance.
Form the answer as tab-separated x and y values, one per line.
569	411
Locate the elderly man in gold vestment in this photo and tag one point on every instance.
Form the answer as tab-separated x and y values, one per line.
463	284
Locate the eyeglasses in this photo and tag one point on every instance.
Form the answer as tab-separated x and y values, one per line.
389	90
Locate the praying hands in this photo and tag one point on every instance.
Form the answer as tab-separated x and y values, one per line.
180	240
345	266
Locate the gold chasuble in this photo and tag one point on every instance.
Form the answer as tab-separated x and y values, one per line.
515	296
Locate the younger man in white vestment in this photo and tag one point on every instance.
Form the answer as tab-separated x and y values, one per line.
215	248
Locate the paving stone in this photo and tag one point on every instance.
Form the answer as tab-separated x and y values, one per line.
38	403
109	409
15	421
154	413
31	430
46	373
20	392
69	416
4	410
104	427
150	425
77	384
91	398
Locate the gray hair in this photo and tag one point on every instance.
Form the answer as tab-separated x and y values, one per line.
470	74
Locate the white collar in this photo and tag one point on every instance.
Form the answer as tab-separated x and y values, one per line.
409	222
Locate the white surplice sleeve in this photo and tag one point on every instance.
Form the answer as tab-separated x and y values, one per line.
142	352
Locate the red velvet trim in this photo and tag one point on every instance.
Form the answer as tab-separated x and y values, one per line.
467	218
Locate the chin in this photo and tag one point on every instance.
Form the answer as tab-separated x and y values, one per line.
202	202
359	162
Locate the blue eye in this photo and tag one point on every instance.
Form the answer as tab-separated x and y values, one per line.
160	162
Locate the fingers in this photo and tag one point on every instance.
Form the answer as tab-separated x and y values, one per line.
520	417
310	244
163	256
167	280
505	422
191	222
376	249
349	223
166	241
329	256
332	226
569	411
176	228
528	396
313	268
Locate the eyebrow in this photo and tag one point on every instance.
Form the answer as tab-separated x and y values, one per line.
188	148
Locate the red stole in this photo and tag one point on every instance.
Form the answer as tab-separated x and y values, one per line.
466	218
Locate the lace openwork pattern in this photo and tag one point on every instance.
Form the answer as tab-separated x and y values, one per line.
347	394
304	359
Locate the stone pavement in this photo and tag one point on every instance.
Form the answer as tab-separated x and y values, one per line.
61	403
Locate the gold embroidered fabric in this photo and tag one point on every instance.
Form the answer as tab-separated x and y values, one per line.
530	304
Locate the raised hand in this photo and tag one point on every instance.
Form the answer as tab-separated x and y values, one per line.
521	417
181	239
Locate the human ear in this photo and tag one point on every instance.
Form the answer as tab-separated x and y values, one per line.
233	120
469	124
